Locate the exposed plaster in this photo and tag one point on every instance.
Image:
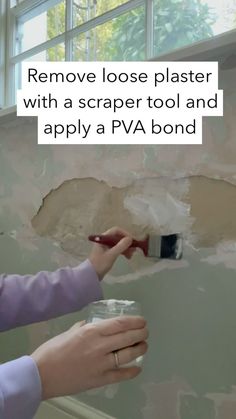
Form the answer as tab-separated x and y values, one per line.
213	209
225	253
80	207
201	208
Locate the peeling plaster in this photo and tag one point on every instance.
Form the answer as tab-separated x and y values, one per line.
225	253
86	206
159	210
213	208
80	207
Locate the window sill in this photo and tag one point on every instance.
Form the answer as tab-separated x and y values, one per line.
7	114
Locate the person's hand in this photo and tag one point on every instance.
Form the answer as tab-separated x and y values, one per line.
102	257
83	357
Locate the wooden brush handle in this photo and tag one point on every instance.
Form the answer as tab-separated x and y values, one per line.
110	240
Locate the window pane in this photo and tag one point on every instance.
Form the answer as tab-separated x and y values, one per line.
40	28
56	53
84	10
225	15
178	23
14	3
121	39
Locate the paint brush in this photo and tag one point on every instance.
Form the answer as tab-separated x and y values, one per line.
160	247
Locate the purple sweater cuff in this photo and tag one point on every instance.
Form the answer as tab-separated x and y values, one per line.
20	389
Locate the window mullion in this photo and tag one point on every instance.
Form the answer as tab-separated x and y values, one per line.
149	29
28	6
39	48
106	17
99	20
2	53
69	26
10	46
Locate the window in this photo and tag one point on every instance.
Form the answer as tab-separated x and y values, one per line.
97	30
113	40
83	11
38	26
178	23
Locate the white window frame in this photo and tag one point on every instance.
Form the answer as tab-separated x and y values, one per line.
2	54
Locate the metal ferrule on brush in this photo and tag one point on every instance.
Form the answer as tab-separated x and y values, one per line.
154	246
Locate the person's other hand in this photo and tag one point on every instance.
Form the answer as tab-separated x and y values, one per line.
83	357
103	257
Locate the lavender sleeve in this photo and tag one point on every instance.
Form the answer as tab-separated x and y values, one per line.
28	299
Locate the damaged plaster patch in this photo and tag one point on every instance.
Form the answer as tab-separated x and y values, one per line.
81	207
159	210
213	208
202	209
225	253
77	208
